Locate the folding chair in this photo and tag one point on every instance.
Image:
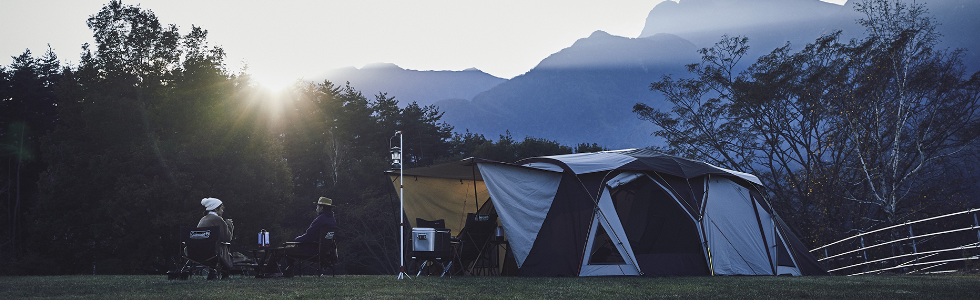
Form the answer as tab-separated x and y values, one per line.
476	249
198	250
323	258
431	244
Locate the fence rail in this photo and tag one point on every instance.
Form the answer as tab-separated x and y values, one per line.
943	242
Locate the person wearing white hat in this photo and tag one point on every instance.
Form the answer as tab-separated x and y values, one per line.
214	209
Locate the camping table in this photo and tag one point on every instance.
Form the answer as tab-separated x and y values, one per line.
267	262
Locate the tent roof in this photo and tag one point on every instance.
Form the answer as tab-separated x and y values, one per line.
582	163
464	169
632	159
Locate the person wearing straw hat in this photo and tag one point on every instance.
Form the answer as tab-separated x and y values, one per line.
324	222
214	209
324	219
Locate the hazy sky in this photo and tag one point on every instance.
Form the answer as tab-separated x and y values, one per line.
281	41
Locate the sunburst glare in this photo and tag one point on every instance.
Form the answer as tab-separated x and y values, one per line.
273	83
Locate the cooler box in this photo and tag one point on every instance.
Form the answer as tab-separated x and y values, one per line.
430	240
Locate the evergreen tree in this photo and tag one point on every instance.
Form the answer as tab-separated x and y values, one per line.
151	124
27	112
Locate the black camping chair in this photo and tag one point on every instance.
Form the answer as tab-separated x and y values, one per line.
437	224
324	257
198	250
475	242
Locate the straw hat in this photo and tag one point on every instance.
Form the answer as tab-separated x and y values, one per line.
325	201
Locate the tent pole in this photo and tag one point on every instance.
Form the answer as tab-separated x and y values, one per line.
476	198
704	233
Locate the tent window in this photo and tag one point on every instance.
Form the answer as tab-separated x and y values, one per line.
653	220
783	255
689	190
604	252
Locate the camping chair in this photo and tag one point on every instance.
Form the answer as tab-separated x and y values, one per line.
325	256
437	224
432	256
198	250
475	242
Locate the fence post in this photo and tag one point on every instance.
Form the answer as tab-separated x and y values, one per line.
975	224
827	263
915	249
865	253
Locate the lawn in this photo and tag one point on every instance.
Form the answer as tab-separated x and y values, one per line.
388	287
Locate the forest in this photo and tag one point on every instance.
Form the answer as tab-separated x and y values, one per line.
105	159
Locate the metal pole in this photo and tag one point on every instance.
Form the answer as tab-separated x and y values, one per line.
915	249
865	253
401	208
976	224
826	264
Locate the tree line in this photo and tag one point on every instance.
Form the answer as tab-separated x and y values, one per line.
103	161
846	136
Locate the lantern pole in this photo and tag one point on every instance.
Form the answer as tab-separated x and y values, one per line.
401	205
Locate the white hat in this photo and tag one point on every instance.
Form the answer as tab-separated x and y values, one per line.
210	203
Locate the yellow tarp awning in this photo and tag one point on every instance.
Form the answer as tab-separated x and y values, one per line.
442	192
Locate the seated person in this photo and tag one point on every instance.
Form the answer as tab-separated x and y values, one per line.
214	209
324	220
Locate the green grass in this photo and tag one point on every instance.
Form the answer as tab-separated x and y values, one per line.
388	287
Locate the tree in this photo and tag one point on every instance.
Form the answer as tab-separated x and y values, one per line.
911	111
151	123
506	149
701	123
337	146
27	112
801	148
844	136
587	148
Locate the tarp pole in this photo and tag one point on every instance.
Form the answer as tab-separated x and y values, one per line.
476	198
401	208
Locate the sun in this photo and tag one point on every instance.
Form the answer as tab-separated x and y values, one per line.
274	83
272	94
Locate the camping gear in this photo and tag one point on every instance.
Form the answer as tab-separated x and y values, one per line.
624	212
198	251
323	256
263	238
430	240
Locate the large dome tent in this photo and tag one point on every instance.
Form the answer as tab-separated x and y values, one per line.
625	212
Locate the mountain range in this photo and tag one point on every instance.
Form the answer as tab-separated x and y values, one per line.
585	92
407	86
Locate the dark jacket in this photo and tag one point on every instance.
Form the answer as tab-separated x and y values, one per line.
324	220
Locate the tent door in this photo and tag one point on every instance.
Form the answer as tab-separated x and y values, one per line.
732	230
607	251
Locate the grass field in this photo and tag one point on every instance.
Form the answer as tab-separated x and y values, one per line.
387	287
